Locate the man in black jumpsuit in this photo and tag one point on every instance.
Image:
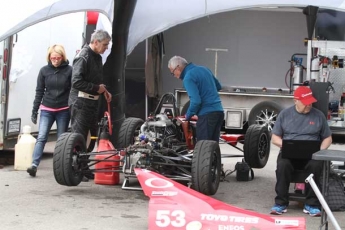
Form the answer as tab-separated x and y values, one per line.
87	87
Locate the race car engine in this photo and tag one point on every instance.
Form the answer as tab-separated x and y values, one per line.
158	146
160	131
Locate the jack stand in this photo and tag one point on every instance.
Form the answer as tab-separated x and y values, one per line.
324	205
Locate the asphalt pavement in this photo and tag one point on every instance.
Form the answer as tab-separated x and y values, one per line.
40	203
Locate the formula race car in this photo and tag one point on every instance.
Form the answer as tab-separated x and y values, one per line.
165	143
211	214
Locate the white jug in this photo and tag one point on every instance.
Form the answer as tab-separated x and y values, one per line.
24	149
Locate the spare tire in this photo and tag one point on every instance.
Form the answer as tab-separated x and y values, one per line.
265	113
257	145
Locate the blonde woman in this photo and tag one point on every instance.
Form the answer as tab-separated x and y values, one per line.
52	92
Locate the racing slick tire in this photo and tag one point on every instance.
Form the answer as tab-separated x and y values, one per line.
256	148
206	167
67	170
128	131
264	113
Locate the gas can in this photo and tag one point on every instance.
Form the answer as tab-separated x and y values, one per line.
106	178
24	149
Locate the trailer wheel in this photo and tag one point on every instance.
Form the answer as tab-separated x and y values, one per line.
265	113
256	148
128	131
206	167
67	169
185	108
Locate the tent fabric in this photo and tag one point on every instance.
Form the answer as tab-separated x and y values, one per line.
11	14
59	8
154	16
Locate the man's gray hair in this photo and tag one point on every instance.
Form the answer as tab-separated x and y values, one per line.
177	61
100	35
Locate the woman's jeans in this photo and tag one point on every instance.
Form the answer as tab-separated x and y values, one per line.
47	119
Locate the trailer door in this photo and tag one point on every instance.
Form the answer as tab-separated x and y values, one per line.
1	80
11	127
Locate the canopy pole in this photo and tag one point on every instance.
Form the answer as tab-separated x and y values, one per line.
114	67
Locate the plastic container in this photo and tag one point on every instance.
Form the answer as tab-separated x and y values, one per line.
24	149
107	178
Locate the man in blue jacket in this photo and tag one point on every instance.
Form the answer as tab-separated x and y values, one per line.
202	88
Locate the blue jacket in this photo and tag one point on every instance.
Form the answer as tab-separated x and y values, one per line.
202	88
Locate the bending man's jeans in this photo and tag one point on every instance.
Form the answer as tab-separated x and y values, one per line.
47	119
209	125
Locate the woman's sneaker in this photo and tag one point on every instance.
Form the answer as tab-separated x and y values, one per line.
32	171
278	209
312	210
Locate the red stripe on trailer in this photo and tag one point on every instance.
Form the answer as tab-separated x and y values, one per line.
92	17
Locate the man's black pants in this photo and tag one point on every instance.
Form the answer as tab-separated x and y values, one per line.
84	118
285	168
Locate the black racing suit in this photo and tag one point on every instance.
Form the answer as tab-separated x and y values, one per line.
87	75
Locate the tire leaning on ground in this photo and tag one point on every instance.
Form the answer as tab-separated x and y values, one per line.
206	167
128	131
256	148
65	159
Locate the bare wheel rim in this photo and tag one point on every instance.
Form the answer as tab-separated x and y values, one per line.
267	118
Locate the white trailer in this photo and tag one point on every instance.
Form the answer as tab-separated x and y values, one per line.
255	71
245	106
21	57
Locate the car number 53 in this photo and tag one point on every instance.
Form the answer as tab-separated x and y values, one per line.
176	218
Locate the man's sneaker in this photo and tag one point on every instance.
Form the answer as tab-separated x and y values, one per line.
32	171
312	210
278	209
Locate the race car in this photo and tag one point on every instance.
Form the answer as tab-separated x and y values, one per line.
165	143
172	206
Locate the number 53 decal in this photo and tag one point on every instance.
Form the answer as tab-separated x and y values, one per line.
176	218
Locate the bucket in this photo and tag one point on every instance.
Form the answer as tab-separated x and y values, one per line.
107	178
24	149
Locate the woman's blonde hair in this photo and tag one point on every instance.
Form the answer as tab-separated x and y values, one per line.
57	49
